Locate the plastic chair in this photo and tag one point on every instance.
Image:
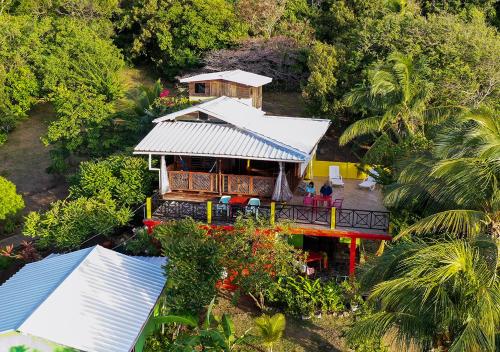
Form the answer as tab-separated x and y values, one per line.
253	206
369	182
308	200
334	176
337	203
223	205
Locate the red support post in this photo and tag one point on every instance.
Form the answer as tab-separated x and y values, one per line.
352	257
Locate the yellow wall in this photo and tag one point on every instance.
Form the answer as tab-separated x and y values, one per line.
347	170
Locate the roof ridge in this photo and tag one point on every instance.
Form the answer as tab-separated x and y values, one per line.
63	278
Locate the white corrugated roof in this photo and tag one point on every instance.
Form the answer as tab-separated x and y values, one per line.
294	133
238	76
94	299
213	140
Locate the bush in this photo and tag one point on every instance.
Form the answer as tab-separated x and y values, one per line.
68	223
10	202
142	243
302	296
126	179
193	267
255	255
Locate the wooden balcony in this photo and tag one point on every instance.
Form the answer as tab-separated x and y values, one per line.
206	182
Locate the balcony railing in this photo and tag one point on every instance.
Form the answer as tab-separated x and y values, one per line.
211	182
299	214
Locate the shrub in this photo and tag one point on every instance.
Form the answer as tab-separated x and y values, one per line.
126	179
142	243
303	296
256	254
10	202
193	266
68	223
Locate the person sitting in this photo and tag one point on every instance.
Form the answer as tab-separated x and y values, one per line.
326	190
310	190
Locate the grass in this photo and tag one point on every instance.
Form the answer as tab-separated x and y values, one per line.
316	335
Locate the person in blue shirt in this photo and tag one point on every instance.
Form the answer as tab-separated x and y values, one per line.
310	190
326	190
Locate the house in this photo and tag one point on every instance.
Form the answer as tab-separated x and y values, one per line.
226	146
93	299
242	85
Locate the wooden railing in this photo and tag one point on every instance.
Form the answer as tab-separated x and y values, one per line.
209	182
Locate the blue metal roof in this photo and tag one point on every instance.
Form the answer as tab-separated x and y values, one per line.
92	300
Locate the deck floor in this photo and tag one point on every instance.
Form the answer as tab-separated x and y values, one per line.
353	196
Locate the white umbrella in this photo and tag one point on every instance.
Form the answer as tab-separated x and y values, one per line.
164	183
282	192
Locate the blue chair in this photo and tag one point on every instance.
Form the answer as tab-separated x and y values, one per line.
223	205
253	206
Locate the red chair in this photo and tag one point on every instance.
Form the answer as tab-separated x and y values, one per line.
337	203
308	200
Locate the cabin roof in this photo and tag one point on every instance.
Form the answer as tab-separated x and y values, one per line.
237	76
95	299
242	132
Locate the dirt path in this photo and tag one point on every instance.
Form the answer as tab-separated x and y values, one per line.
24	159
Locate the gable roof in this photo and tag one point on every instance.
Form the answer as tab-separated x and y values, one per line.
298	135
237	76
95	299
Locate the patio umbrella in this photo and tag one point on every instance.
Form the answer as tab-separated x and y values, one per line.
164	183
282	192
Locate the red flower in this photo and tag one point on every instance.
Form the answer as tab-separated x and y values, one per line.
164	93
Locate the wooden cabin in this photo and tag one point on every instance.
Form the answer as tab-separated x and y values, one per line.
242	85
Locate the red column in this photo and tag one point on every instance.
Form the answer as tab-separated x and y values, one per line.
352	256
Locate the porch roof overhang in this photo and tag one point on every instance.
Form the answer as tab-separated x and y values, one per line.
214	140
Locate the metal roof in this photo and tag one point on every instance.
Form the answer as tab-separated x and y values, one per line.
94	299
213	140
295	134
237	76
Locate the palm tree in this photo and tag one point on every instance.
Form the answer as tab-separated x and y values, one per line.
271	329
434	295
458	184
395	98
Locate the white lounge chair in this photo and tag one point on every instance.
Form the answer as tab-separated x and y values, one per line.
369	182
335	177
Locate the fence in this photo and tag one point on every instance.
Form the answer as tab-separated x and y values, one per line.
300	214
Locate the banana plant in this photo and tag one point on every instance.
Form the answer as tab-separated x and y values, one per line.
214	334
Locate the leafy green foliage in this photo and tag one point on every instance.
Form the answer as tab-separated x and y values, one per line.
215	334
271	329
126	179
255	254
70	222
456	187
174	34
10	202
194	265
303	296
435	294
142	244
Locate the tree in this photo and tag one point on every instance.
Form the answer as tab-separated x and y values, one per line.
193	267
457	185
262	16
395	100
271	329
126	179
174	34
68	223
443	295
255	255
10	202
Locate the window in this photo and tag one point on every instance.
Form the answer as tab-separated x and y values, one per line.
199	88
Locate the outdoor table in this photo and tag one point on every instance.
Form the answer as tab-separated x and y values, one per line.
321	199
317	257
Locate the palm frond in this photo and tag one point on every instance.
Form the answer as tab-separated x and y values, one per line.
359	128
459	222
